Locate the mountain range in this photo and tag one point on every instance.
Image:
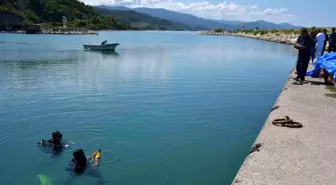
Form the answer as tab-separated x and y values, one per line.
201	23
142	21
50	14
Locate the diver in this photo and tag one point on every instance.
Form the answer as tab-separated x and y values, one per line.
80	162
55	141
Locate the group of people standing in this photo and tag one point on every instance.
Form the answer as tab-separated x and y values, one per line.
320	38
311	46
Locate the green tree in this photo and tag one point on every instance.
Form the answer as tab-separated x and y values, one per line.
218	30
31	16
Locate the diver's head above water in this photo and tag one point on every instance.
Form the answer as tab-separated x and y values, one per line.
80	161
57	137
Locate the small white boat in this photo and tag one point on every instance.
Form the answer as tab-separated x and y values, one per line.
103	46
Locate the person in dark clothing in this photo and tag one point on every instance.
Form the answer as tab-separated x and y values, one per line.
80	164
303	44
55	141
104	42
325	41
79	161
312	35
332	41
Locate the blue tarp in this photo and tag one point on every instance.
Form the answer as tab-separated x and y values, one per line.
327	62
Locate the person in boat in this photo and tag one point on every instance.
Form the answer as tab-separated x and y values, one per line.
104	43
55	141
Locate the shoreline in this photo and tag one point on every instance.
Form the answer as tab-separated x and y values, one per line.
77	32
54	32
282	38
295	155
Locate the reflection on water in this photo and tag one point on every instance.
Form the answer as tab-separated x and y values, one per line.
103	52
168	105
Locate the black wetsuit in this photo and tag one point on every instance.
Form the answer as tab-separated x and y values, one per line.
79	161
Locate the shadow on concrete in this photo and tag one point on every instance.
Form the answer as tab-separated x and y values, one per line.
332	90
315	82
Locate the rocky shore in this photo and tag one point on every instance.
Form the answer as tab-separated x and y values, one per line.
68	32
278	37
57	32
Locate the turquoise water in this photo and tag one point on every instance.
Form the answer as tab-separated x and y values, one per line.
168	108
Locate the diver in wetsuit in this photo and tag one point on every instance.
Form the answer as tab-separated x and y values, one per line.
79	161
81	164
55	142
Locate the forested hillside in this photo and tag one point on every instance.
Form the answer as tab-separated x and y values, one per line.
52	11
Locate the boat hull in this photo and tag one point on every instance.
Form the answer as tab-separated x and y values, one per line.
107	47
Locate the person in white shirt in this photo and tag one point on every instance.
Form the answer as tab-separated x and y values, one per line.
320	38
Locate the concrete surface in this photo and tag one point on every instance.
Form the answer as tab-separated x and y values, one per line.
296	156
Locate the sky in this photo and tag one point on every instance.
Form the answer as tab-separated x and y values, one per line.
299	12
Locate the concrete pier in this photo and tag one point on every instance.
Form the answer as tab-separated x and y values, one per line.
299	156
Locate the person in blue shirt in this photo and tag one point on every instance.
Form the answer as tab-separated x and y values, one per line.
303	44
332	41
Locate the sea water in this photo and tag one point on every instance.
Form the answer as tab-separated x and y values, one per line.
167	108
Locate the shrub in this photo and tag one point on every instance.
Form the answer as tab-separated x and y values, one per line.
218	30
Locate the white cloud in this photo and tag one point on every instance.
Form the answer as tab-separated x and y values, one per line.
224	10
254	7
269	12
